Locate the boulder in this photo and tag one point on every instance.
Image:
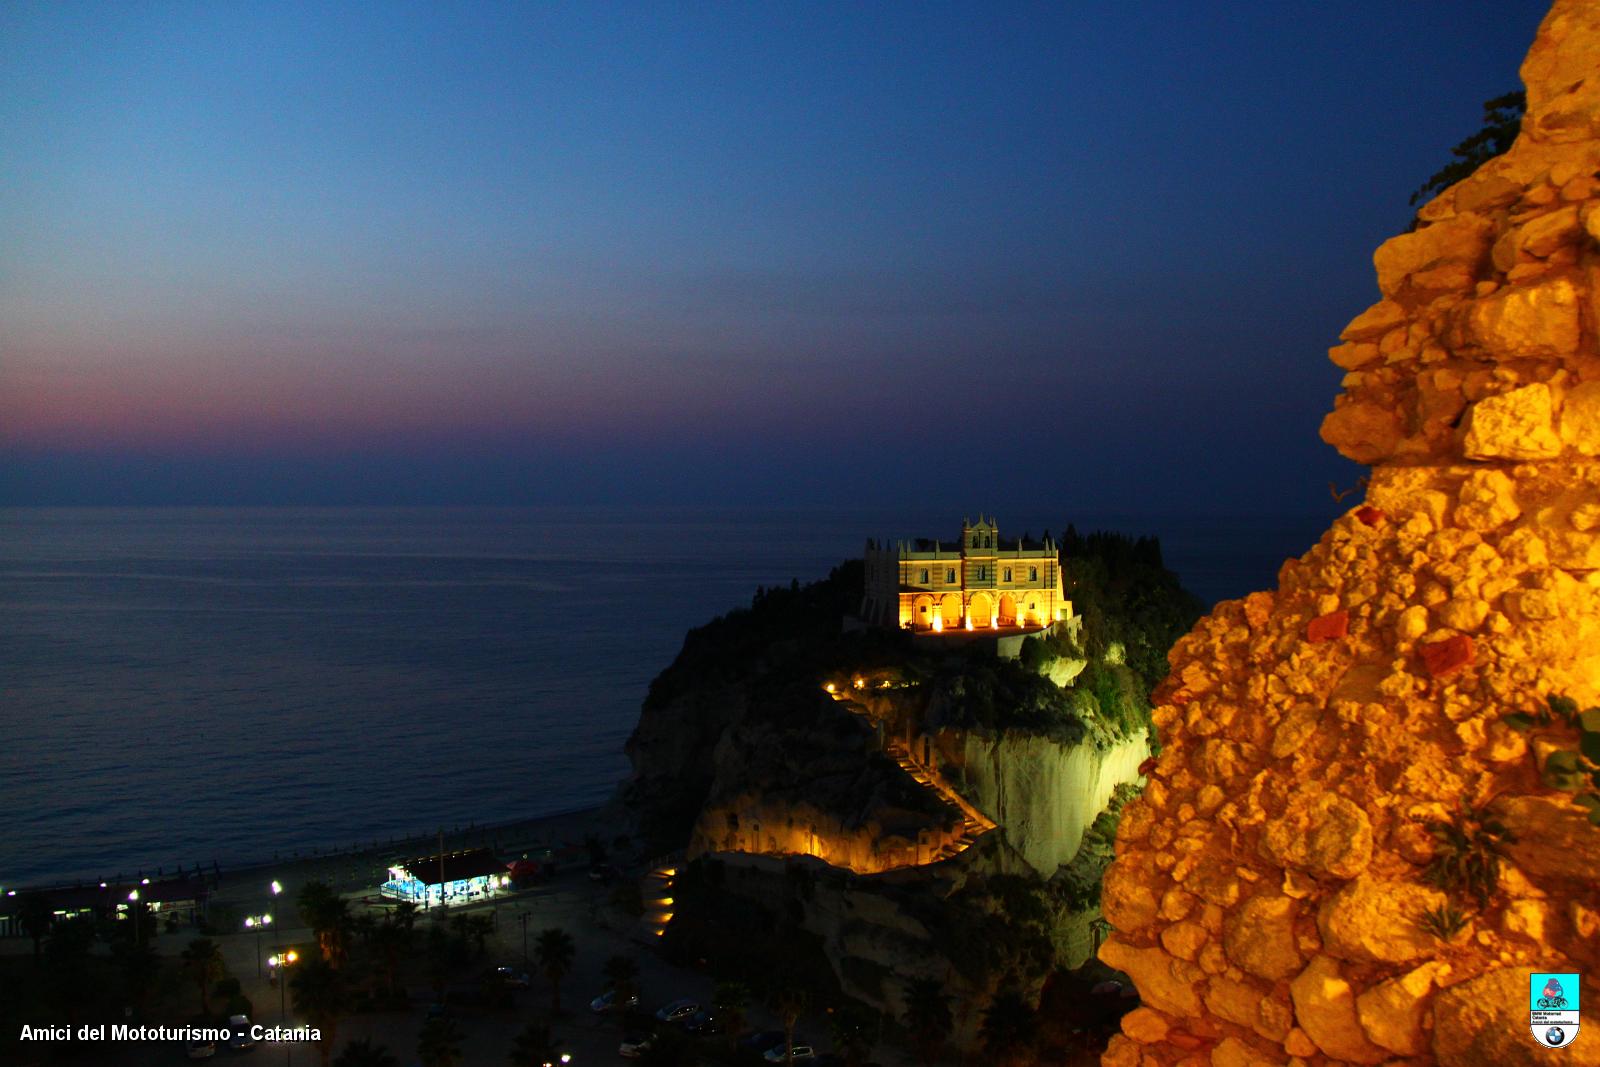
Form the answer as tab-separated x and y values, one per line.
1515	425
1375	921
1322	833
1393	1012
1258	937
1325	1007
1164	982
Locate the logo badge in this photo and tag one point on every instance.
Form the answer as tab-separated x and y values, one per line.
1553	1008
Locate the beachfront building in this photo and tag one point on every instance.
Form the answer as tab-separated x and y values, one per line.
980	582
451	878
176	900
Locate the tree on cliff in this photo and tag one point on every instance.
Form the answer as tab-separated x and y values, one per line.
1502	119
555	951
927	1017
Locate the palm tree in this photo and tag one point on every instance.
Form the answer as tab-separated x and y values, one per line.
439	1044
555	950
35	914
927	1016
790	1004
363	1053
1008	1028
203	960
622	977
328	915
391	940
320	997
534	1047
730	999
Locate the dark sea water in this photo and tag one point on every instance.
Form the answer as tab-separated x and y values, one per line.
188	685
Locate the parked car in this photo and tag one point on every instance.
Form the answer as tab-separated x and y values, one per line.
200	1050
703	1023
677	1011
635	1045
239	1037
607	1001
761	1042
513	978
802	1054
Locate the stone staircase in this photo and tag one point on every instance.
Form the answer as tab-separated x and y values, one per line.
974	823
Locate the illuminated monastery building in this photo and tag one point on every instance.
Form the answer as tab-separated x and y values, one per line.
979	582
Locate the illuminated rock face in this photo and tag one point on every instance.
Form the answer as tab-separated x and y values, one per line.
1270	882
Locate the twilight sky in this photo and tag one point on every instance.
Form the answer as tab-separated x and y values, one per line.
1079	255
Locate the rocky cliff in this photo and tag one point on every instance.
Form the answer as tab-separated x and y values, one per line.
1046	794
1369	824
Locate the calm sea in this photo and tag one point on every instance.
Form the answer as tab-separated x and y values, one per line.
222	684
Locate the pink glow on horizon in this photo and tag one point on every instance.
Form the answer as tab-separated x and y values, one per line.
92	402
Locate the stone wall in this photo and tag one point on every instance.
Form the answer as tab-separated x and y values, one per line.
1271	883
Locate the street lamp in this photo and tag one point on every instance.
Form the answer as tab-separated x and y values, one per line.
256	922
133	913
278	962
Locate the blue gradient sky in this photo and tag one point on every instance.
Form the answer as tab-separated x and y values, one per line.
1083	255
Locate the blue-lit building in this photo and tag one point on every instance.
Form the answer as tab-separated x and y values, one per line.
453	878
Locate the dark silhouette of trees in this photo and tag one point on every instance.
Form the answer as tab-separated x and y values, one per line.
439	1044
202	961
1008	1029
534	1047
731	1000
321	997
328	915
927	1017
789	1004
555	951
66	965
35	914
363	1053
622	978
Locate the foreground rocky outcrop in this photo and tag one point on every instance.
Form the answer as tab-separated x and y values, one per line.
1353	848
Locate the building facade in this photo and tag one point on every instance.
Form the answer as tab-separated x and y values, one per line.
980	582
451	878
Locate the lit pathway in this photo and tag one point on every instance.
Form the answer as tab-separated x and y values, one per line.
974	822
